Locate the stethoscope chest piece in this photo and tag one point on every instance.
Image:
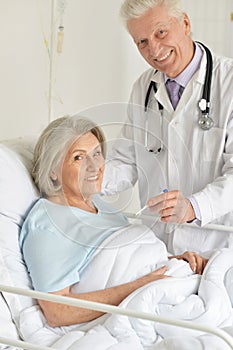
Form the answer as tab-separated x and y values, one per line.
205	122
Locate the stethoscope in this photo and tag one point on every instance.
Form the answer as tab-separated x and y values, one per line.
205	121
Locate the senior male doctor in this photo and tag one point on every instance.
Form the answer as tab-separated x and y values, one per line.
179	130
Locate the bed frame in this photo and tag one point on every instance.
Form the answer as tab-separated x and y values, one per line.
107	309
113	309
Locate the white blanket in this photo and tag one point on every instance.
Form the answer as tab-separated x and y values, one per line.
126	255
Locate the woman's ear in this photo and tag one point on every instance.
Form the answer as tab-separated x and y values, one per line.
53	176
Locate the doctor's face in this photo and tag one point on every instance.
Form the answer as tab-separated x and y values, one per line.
82	169
162	40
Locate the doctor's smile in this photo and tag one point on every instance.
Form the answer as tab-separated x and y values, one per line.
163	58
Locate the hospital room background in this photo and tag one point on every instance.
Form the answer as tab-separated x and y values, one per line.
95	68
91	72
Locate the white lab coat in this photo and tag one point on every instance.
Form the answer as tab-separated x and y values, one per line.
197	162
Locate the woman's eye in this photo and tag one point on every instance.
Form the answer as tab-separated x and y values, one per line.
97	154
78	157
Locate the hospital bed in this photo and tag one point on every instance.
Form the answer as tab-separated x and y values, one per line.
22	325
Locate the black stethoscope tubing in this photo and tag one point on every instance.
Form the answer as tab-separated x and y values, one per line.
205	121
208	79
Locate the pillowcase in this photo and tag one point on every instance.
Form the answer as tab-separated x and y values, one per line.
17	190
7	327
17	195
12	268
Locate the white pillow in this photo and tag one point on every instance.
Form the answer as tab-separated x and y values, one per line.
17	190
17	195
7	327
12	268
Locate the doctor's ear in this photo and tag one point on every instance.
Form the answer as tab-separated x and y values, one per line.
186	23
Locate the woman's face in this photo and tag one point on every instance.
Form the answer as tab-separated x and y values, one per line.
82	169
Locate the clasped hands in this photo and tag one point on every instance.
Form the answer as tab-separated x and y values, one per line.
196	262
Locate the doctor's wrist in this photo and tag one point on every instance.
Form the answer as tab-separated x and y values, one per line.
191	216
196	209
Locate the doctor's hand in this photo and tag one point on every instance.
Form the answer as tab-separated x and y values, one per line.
172	207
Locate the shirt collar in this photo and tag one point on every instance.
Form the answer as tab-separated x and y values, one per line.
184	77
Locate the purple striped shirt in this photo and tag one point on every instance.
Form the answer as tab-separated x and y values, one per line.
184	77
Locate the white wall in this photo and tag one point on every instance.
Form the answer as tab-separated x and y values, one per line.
94	67
99	61
23	68
211	23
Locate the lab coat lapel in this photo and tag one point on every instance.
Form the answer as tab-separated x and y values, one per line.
161	95
192	91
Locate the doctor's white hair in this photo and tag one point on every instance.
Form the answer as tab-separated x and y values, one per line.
131	9
52	146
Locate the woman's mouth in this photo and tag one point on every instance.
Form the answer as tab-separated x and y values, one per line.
92	178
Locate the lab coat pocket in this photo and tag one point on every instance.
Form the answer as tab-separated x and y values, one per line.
213	144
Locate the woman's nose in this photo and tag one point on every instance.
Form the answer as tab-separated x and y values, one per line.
93	164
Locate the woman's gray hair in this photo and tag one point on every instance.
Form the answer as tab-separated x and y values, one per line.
131	9
52	146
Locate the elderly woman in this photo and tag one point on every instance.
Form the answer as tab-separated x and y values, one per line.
70	220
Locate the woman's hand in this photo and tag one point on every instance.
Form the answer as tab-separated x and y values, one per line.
154	275
196	261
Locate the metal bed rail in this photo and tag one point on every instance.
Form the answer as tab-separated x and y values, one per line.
216	227
106	309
